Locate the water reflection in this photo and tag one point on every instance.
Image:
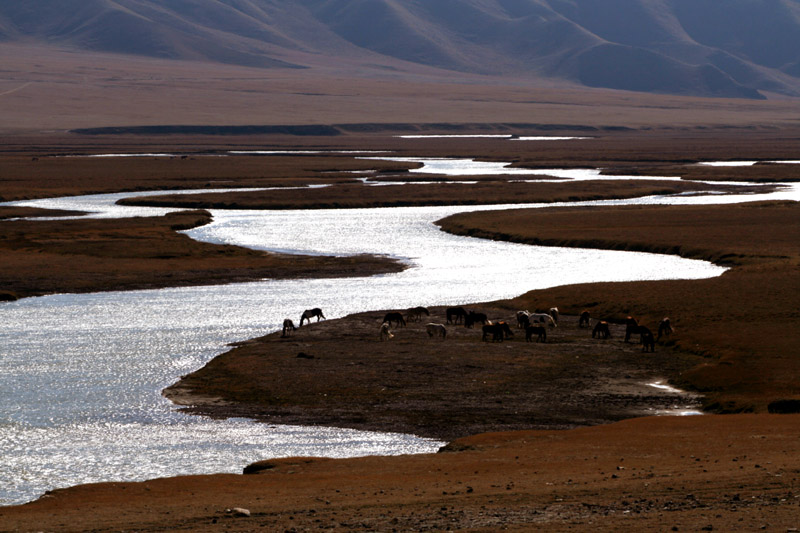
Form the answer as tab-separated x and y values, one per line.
81	375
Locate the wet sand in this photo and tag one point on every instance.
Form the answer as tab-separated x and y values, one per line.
718	472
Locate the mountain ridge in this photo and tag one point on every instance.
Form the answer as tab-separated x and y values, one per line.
741	49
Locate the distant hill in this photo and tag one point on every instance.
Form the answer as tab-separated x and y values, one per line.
730	48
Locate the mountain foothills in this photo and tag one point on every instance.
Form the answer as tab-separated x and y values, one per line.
735	48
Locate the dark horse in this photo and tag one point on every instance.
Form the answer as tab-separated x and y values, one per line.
664	328
601	330
456	315
414	314
648	341
395	317
540	331
473	318
498	331
308	314
631	328
288	327
584	320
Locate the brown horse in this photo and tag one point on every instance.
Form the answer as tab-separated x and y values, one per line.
647	339
308	314
499	331
523	319
415	313
585	320
664	328
288	327
631	327
540	331
601	330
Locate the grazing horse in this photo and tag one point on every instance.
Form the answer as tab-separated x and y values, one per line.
308	314
543	318
414	314
395	317
647	339
436	330
473	318
288	326
631	327
498	331
585	320
540	331
385	333
553	312
455	315
523	319
601	330
664	328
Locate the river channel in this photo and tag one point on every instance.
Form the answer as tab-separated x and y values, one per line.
81	375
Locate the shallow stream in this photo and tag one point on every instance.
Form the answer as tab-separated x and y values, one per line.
81	375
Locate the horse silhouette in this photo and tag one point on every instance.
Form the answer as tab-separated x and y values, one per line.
539	331
414	314
499	331
664	328
288	326
456	315
395	317
308	314
601	330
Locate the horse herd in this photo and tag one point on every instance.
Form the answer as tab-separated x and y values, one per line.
534	324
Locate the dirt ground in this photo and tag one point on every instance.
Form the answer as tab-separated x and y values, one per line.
343	375
734	348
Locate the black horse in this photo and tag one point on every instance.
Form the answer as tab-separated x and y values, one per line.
395	317
473	318
456	315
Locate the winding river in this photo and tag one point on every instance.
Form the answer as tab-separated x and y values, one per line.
81	375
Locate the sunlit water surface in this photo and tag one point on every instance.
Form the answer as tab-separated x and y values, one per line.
81	375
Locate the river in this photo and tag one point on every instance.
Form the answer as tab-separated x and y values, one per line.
81	375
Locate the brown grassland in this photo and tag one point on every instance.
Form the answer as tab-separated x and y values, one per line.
541	435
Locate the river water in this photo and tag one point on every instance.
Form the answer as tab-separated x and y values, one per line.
81	375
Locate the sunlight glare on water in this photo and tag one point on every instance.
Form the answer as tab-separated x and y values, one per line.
81	375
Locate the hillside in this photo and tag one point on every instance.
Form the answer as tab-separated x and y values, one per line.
737	48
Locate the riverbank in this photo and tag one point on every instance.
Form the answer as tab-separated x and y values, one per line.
711	473
90	255
743	323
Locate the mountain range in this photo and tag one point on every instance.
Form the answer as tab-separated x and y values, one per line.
730	48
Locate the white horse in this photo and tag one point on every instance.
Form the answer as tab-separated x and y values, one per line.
543	318
288	327
553	312
436	330
385	333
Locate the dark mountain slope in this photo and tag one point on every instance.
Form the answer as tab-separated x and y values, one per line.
734	48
